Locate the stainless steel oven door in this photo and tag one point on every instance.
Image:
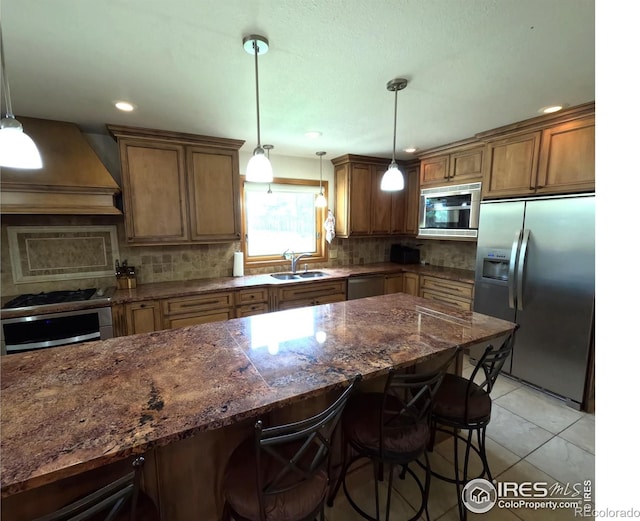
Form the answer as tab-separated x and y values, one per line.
55	329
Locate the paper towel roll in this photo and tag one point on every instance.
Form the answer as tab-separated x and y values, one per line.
238	264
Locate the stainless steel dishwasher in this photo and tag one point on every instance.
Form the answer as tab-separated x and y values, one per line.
365	286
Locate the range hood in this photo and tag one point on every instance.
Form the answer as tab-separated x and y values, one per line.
72	180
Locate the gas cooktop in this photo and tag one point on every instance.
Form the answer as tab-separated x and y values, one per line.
55	297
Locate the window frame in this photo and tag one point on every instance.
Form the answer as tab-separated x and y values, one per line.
321	254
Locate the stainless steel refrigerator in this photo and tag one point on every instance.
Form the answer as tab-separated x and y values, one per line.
535	266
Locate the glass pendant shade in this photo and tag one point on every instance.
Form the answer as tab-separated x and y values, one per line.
259	168
17	150
321	201
392	180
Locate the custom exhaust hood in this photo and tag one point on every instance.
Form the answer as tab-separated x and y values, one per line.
73	180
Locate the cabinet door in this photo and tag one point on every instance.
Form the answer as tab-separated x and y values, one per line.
411	201
119	320
567	157
411	283
143	317
466	165
214	207
360	200
393	283
434	169
154	190
380	203
511	166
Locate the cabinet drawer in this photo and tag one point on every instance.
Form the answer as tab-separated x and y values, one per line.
311	301
462	304
311	291
197	303
252	309
450	287
199	318
247	296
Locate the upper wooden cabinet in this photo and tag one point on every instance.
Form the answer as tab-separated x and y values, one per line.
178	188
363	209
545	155
457	163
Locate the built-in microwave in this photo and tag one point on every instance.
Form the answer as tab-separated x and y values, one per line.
449	211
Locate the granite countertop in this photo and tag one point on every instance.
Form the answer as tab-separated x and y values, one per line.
191	287
70	409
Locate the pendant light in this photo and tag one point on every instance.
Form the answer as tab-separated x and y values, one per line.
259	167
321	200
17	149
268	148
392	180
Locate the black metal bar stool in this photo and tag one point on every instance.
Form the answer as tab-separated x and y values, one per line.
282	473
463	405
120	500
391	428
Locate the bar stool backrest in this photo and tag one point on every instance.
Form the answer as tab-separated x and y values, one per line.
299	449
491	363
408	399
105	503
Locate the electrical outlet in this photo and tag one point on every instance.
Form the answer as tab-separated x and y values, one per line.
333	254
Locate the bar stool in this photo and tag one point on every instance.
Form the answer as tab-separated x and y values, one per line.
282	473
463	405
391	428
120	500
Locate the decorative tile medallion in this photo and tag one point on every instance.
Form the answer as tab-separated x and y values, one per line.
45	253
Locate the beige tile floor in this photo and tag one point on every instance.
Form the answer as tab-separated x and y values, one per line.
532	437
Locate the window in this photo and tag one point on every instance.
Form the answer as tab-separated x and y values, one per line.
285	219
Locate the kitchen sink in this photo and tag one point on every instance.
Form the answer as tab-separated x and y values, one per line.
285	276
311	274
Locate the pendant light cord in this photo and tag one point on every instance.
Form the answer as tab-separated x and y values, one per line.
255	52
395	118
5	80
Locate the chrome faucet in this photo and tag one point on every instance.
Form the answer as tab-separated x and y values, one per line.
294	260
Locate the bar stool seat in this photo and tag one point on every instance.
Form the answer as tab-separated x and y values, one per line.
451	402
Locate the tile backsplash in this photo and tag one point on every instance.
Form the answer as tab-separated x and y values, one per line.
184	262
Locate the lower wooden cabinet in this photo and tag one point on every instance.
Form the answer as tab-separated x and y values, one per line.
197	309
410	283
310	294
454	293
393	283
252	301
143	317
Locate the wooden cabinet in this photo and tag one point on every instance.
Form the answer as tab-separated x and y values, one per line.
178	188
143	317
310	294
567	157
393	283
197	309
546	155
457	163
119	320
410	283
452	292
362	208
252	301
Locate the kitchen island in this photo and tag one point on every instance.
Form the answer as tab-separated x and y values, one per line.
186	397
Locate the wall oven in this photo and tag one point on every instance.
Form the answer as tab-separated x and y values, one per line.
33	327
450	211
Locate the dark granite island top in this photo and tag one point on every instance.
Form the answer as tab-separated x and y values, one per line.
74	408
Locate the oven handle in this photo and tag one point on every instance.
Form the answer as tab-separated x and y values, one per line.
52	343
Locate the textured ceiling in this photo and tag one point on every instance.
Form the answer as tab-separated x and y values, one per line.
471	66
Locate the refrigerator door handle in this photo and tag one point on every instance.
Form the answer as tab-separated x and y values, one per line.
512	269
521	260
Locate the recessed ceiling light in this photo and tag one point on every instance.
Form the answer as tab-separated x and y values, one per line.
313	134
550	109
410	150
124	106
